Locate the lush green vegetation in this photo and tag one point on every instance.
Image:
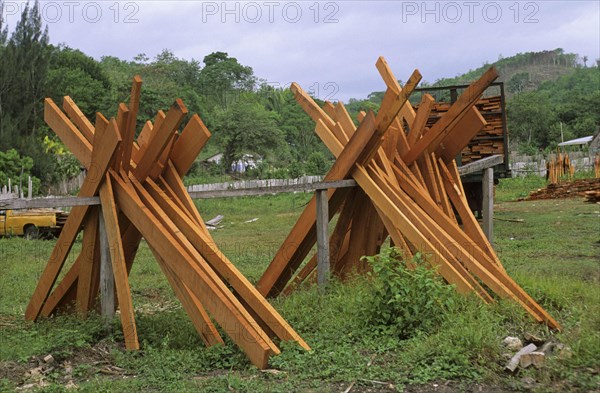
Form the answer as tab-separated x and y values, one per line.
553	254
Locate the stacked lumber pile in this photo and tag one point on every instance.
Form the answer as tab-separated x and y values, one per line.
408	189
592	196
142	196
559	167
489	140
577	188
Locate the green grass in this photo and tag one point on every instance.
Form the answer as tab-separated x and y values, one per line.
554	254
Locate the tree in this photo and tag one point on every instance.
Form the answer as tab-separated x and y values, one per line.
23	70
222	79
531	118
18	169
518	82
248	128
74	74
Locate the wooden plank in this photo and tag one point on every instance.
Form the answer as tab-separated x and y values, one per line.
107	282
192	140
329	108
219	262
343	117
407	112
65	291
359	235
48	202
442	191
488	203
174	185
310	106
119	269
480	165
68	133
460	135
77	117
122	120
323	268
192	305
271	190
170	250
160	139
160	163
106	144
442	127
417	128
142	142
427	172
86	263
129	128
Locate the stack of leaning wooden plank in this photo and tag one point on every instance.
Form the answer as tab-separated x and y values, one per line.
142	196
558	167
408	189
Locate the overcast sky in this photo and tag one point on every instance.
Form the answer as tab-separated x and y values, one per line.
327	46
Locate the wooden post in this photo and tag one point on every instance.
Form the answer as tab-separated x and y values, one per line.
29	188
488	203
107	283
322	238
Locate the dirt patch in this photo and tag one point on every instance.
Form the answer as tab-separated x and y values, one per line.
68	370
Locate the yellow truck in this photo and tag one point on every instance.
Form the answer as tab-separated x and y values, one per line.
32	223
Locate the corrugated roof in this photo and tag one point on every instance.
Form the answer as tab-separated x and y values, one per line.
578	141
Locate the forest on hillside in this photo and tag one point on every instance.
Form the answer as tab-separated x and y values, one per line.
245	114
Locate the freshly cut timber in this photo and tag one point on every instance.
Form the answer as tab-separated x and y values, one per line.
408	189
142	196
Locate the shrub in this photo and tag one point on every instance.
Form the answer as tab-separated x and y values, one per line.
408	297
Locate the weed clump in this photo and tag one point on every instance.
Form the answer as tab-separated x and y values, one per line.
409	297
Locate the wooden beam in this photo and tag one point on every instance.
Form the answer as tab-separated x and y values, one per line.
77	117
488	203
86	263
417	127
192	305
460	135
107	282
480	165
119	269
192	140
129	129
68	133
323	269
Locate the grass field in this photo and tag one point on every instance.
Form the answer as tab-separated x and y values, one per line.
554	253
